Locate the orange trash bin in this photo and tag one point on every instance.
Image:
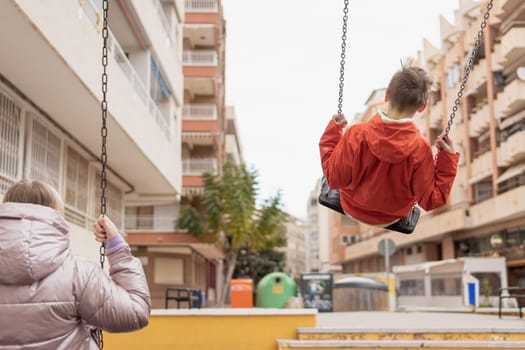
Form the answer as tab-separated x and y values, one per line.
241	292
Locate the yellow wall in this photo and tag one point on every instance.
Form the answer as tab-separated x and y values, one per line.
203	330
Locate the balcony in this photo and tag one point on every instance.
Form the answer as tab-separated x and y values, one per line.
199	112
511	100
200	72
512	150
513	45
202	11
477	77
479	120
161	29
481	167
199	166
72	59
193	168
453	56
436	115
198	119
505	206
428	228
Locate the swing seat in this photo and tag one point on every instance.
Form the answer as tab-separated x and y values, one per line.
330	199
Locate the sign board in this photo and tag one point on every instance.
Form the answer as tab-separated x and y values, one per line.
316	290
386	247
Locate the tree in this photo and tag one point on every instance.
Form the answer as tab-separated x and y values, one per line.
256	264
229	217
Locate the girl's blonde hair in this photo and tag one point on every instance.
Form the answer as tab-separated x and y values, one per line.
34	192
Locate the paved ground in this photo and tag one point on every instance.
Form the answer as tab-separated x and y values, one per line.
417	320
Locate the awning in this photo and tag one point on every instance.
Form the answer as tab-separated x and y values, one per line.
360	282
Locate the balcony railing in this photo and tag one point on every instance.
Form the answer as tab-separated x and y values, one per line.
479	120
93	14
512	150
149	223
199	112
478	76
511	99
204	58
207	6
481	167
198	166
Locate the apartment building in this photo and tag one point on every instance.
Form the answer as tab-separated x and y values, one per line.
485	215
50	92
208	137
204	121
295	250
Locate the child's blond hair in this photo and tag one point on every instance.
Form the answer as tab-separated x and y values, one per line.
34	192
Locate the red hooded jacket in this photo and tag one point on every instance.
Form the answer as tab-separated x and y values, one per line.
381	169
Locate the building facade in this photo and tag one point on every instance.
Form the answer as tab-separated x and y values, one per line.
50	121
485	215
208	138
50	92
295	250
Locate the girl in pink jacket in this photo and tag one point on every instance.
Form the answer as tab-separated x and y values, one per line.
51	299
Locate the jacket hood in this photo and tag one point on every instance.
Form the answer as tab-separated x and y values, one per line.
34	242
392	142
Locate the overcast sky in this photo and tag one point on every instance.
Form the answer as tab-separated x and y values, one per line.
282	70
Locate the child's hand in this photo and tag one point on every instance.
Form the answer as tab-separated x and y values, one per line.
340	120
104	229
443	142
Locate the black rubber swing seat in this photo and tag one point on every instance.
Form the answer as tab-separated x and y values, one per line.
330	199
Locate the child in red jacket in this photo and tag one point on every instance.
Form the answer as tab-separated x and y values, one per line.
384	166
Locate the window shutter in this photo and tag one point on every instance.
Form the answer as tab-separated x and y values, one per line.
10	133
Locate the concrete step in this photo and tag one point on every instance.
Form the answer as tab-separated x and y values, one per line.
288	344
421	334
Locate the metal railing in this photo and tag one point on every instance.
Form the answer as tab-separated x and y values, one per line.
93	14
200	58
149	223
198	166
202	6
199	112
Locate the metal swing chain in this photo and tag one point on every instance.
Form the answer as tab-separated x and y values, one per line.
468	68
103	134
104	129
343	57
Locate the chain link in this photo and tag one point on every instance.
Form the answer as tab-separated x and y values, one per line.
103	134
343	57
468	68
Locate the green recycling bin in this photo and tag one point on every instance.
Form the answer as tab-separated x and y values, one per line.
274	289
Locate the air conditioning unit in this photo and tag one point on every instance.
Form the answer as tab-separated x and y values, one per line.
348	239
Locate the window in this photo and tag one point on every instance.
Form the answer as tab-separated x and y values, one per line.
139	218
483	190
453	76
45	155
446	286
76	186
411	287
10	142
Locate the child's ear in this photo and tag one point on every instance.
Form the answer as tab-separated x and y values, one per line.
422	108
387	95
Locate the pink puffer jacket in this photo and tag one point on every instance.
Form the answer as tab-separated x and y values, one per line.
50	299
